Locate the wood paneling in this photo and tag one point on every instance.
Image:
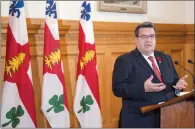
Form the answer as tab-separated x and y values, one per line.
112	40
189	53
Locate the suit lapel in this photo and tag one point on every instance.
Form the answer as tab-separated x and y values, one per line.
142	61
161	65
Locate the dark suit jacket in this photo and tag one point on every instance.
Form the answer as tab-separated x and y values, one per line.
130	72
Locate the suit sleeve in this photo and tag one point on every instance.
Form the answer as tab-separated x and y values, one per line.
121	82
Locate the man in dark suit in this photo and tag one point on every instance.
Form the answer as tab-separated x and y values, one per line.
144	77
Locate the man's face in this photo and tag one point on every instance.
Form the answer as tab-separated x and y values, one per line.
146	41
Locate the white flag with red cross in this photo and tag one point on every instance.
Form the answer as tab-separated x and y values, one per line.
87	100
17	107
54	96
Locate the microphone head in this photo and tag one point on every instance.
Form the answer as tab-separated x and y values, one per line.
190	61
176	62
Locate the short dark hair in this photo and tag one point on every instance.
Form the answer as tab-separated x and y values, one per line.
144	25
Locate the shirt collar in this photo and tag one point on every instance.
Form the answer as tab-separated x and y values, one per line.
146	57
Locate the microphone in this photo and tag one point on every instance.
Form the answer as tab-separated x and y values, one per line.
177	63
190	61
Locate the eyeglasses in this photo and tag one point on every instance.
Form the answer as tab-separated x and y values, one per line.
145	37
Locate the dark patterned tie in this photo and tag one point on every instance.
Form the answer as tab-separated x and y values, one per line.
155	68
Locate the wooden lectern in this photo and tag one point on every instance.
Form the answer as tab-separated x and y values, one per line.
175	113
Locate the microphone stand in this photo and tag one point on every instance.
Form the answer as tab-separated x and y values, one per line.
177	63
189	61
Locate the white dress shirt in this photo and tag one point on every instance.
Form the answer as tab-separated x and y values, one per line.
149	62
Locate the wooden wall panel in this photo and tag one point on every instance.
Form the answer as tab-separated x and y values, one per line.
112	40
176	54
189	54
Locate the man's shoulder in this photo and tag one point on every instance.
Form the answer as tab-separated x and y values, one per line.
128	55
162	54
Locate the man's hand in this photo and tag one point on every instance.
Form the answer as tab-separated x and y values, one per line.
153	87
181	84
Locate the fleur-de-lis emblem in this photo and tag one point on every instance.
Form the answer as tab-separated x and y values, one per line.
14	7
85	13
51	9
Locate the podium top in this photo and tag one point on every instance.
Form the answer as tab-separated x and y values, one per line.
166	103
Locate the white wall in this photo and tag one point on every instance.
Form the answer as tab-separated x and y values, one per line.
180	12
190	12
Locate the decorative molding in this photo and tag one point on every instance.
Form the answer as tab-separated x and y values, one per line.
71	27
